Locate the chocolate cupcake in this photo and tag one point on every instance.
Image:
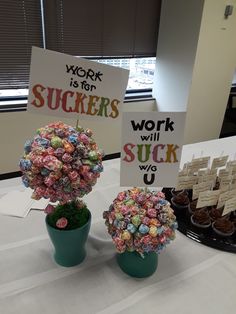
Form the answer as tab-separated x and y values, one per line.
201	219
215	213
180	203
192	207
175	192
223	227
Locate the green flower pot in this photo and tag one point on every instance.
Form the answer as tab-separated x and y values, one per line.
69	244
136	266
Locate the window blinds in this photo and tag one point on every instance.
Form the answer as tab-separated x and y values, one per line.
102	28
20	28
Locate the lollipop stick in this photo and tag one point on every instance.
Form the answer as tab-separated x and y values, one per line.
77	124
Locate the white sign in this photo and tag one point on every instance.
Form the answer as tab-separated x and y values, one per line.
186	182
201	187
225	182
72	87
230	205
219	162
225	197
151	148
208	177
198	163
207	198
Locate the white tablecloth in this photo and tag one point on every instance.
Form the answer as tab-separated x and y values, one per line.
191	278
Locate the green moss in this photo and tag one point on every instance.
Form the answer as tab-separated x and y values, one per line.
76	217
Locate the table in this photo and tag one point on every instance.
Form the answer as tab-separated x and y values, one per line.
191	278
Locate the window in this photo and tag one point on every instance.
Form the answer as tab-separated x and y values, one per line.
103	29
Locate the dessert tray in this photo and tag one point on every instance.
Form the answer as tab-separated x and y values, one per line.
204	236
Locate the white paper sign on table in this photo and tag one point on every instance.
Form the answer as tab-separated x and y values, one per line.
230	206
201	187
198	163
19	203
219	162
151	148
207	198
225	197
72	87
225	182
208	177
224	172
186	182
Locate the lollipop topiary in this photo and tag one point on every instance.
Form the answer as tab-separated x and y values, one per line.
62	164
140	222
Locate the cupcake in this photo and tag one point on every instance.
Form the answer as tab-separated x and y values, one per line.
201	218
175	192
193	207
223	227
215	213
180	203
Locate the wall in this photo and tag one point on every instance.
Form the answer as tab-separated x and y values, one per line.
213	73
177	44
196	59
234	78
17	127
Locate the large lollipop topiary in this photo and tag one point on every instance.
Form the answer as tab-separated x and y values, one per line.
62	163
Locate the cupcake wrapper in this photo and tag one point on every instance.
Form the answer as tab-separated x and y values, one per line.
199	225
179	206
220	233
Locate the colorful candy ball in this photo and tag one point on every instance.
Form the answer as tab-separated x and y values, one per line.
61	163
141	221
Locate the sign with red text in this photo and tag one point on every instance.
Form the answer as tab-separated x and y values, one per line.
151	148
71	87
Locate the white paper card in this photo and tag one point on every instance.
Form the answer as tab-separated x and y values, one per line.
208	177
186	182
202	172
151	148
198	163
225	182
201	187
207	198
19	203
224	172
230	206
225	197
72	87
219	162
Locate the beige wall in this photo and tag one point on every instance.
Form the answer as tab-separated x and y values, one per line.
213	72
196	60
17	127
176	51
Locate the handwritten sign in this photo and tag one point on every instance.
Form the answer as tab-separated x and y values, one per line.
208	177
198	163
219	162
207	198
186	182
225	197
151	148
224	172
225	182
201	187
230	205
71	87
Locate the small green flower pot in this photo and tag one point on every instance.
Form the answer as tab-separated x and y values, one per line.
133	264
69	244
